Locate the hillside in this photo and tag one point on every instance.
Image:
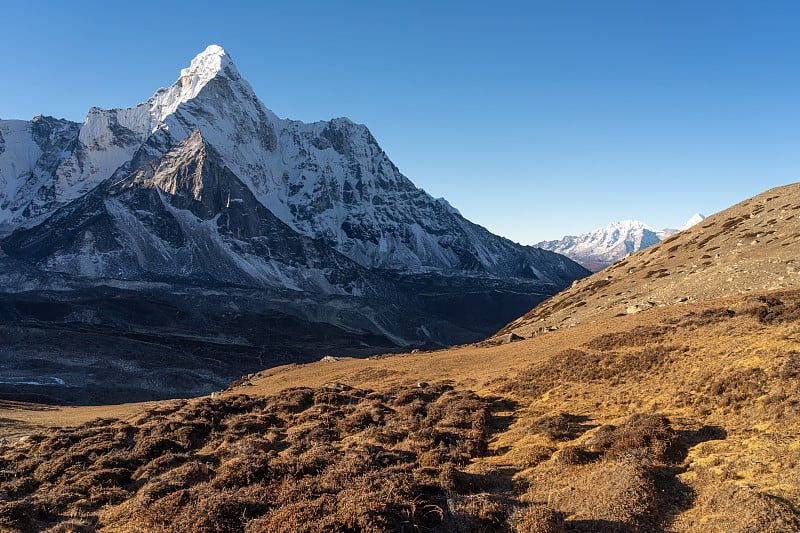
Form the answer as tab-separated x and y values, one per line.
682	417
749	247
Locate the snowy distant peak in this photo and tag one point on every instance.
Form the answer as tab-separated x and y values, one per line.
624	226
695	219
599	248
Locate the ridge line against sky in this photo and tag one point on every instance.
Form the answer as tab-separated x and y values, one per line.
536	120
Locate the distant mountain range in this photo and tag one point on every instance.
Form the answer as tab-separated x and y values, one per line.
273	237
602	247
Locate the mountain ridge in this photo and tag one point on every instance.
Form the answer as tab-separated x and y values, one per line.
601	247
327	180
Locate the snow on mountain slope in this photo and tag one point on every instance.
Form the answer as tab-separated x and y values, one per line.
604	246
326	180
186	217
30	156
50	162
332	181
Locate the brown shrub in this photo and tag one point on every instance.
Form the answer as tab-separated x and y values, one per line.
104	477
736	387
607	495
149	448
454	481
216	511
743	509
628	495
642	435
638	336
790	369
74	526
477	513
707	317
302	460
18	487
292	401
560	427
536	518
192	435
774	309
19	515
536	455
580	367
159	465
575	455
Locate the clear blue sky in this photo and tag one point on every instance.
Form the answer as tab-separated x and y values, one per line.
535	119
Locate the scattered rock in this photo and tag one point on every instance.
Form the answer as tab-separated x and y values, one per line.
336	386
636	308
509	338
329	359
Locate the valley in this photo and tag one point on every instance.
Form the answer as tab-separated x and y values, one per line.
166	249
676	417
215	319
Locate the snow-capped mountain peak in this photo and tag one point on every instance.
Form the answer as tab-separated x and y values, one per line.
209	63
54	162
601	247
693	220
327	180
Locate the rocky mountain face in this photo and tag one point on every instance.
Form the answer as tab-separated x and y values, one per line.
605	246
184	217
202	191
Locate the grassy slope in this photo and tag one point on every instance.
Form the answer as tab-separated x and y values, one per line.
749	247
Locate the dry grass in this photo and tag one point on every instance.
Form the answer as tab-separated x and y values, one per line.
578	366
678	419
304	460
